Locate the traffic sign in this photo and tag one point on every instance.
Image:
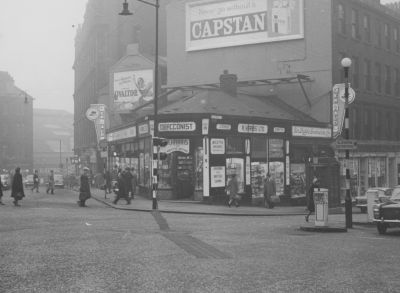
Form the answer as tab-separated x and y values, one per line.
345	144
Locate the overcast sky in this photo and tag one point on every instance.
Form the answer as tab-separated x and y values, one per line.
37	47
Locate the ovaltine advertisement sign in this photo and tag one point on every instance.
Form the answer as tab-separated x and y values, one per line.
132	88
226	23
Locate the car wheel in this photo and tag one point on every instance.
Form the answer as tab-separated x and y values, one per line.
381	228
363	210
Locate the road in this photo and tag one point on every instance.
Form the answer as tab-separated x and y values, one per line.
49	244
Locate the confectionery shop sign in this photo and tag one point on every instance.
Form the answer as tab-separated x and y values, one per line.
227	23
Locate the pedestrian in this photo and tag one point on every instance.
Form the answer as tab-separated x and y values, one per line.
134	182
35	182
17	187
310	197
107	177
84	189
50	184
128	182
232	190
1	192
269	191
121	193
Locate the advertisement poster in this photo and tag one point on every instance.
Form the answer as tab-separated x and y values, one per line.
217	146
97	114
132	89
218	176
338	107
227	23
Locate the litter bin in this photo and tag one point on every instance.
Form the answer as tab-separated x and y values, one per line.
321	206
372	197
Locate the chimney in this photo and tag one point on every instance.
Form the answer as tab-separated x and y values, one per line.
228	83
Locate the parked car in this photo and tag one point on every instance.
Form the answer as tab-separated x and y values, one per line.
28	181
387	214
58	181
383	193
5	180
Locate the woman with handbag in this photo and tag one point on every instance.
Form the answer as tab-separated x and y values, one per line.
84	189
17	187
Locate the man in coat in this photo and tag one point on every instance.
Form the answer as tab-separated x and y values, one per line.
35	181
269	190
17	187
84	189
122	190
50	186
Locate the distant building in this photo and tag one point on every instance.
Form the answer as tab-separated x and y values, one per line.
16	131
53	140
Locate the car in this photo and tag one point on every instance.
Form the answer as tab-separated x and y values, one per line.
387	214
28	180
5	180
383	193
58	180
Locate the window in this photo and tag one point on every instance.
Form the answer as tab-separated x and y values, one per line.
259	147
396	39
387	36
378	124
367	74
356	72
397	82
367	28
378	34
234	145
355	34
387	78
367	124
378	86
341	19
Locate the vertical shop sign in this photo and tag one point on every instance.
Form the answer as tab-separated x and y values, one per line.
206	173
248	170
97	114
205	126
338	107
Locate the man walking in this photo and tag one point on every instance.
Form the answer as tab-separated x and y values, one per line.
50	186
35	181
269	190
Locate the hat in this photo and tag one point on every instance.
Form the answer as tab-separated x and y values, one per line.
85	169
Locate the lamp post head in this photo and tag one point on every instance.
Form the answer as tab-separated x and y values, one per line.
125	9
346	62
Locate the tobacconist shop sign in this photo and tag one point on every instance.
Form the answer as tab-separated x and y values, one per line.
177	126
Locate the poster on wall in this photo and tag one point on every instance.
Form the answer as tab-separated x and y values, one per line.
218	176
132	89
228	23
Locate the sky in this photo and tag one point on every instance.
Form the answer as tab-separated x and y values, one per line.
37	48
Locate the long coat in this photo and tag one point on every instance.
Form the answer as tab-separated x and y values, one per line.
310	200
84	189
233	188
17	186
1	188
269	188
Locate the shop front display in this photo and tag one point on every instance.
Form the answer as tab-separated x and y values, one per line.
236	166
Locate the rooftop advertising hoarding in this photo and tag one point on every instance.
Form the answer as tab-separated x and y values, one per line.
133	89
226	23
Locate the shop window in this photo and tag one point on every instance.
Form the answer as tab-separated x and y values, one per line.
298	180
236	166
275	148
235	145
259	147
199	168
164	171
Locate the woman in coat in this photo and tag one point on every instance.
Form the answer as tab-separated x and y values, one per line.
17	187
310	200
233	188
84	189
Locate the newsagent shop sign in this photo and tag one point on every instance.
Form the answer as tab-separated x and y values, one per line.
226	23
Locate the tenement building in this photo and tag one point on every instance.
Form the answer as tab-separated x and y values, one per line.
258	88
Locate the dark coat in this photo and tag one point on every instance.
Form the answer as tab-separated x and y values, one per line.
122	191
310	199
84	189
233	188
17	186
1	188
128	181
269	188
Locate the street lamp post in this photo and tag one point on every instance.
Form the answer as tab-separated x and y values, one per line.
346	63
125	11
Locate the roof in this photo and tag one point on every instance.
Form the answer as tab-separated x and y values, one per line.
218	102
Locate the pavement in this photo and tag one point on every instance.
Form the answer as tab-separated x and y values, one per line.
336	216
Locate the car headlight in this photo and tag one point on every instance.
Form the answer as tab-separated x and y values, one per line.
377	211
